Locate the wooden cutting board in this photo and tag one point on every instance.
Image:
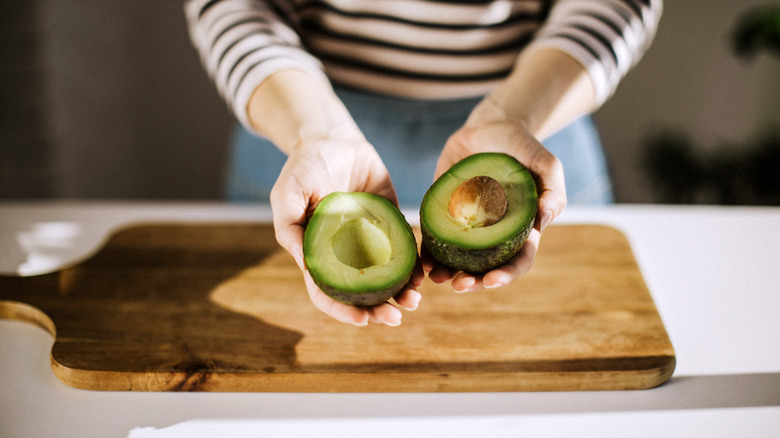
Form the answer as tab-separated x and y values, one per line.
221	307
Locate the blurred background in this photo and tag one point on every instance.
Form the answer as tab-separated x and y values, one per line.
107	100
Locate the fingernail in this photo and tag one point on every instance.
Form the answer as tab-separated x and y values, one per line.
496	279
416	297
468	288
394	322
547	217
297	254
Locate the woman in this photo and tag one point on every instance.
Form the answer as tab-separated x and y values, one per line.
338	95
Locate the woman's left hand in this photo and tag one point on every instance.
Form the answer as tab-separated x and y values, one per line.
489	130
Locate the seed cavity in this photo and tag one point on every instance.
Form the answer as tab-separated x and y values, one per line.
359	243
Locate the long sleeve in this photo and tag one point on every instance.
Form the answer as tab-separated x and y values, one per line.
608	37
242	42
413	48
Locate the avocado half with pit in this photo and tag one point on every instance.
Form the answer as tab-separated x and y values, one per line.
479	213
359	248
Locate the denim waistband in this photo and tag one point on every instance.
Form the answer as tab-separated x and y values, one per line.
374	105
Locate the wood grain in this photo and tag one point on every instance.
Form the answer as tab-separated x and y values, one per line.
221	307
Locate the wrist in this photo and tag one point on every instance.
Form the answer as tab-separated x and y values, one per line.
338	141
492	110
546	90
292	107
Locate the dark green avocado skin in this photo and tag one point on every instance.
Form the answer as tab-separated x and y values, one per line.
474	261
363	299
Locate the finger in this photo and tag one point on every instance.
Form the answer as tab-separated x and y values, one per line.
418	275
551	205
408	298
289	216
516	267
465	283
427	260
441	274
384	313
339	311
551	185
290	237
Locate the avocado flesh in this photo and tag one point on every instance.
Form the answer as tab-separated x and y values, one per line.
359	248
479	249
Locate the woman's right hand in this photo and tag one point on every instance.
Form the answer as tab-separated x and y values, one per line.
326	153
314	169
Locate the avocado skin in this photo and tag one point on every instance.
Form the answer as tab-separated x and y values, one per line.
474	261
362	299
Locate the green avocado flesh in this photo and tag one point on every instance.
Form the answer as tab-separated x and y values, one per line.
479	249
359	248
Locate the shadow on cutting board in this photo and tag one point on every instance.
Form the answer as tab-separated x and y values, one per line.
139	315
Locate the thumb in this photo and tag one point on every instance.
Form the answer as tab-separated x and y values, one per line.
289	226
290	237
552	196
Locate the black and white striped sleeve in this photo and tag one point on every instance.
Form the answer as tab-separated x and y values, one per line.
608	37
242	42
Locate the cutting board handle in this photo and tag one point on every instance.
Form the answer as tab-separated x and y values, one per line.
17	311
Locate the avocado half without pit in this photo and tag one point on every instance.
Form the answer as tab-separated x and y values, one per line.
479	213
359	248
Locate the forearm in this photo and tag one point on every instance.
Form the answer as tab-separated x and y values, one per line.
546	90
577	60
241	43
293	106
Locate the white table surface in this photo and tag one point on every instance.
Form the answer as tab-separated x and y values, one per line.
713	273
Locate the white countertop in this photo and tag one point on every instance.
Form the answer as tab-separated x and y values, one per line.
712	272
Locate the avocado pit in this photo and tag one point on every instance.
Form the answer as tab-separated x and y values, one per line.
478	202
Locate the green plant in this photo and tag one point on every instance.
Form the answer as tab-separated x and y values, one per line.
756	30
683	173
732	173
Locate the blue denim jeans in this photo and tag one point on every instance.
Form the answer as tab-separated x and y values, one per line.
409	135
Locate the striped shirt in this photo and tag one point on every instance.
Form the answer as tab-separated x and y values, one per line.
426	49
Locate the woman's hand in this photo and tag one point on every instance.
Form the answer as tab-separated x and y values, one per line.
546	90
326	153
489	130
314	169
